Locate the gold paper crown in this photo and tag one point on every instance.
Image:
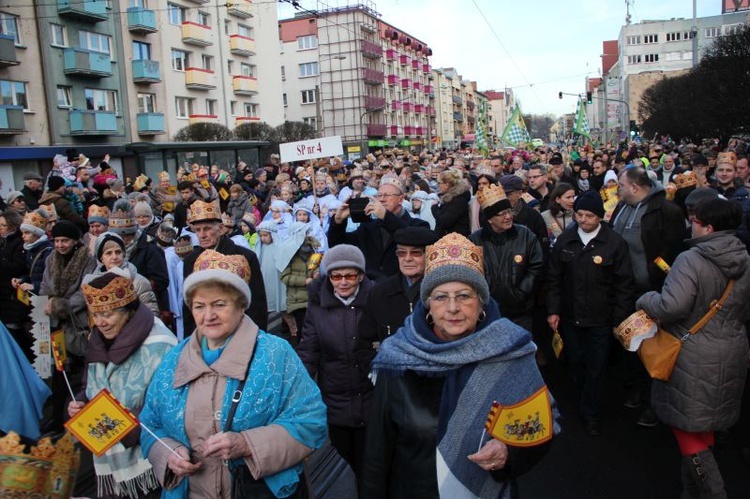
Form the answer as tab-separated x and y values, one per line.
35	219
391	179
227	220
51	211
140	182
490	195
183	245
47	471
320	175
485	170
163	176
121	220
687	179
454	249
213	260
728	157
98	211
204	211
116	294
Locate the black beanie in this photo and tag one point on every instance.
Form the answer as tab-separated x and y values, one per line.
55	182
590	201
66	228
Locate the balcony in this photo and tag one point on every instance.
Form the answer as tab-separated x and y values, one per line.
146	71
395	130
241	45
470	105
372	76
8	51
11	120
397	105
409	130
376	130
430	111
241	120
85	63
141	21
91	11
393	80
426	69
196	34
420	131
372	102
404	59
470	119
200	79
417	86
391	55
405	83
458	117
457	99
428	89
419	108
150	123
202	118
408	107
244	85
371	50
88	122
240	8
415	64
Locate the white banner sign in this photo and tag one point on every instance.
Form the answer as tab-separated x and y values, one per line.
311	149
41	333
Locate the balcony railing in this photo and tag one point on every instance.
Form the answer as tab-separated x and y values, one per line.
240	8
458	117
8	51
427	89
405	83
372	102
202	118
146	71
419	108
417	86
241	120
457	99
91	11
85	63
241	45
393	80
420	131
395	130
376	130
150	123
11	120
430	111
415	64
196	34
397	105
408	107
426	68
372	76
141	21
244	85
88	122
371	50
391	54
470	104
404	59
200	79
409	130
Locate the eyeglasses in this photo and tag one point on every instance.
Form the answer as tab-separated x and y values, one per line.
505	213
534	176
381	195
347	277
462	297
404	253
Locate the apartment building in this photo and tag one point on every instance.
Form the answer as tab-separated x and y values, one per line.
501	104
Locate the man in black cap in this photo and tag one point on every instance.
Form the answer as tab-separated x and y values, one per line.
590	290
32	189
522	213
56	195
392	299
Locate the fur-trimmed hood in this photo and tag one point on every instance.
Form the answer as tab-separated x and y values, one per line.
454	191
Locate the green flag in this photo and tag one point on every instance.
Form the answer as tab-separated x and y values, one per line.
480	138
582	124
515	130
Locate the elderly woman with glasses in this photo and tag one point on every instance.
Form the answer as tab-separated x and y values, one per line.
436	380
336	302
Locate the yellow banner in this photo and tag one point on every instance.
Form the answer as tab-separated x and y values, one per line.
101	423
58	349
525	424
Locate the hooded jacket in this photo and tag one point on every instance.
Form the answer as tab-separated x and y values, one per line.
452	213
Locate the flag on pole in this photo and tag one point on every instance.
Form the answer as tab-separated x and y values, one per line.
582	124
480	138
515	130
101	423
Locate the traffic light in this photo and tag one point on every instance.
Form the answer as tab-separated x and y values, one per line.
633	128
589	99
559	95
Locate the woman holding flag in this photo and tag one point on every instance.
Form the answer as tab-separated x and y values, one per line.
124	350
437	379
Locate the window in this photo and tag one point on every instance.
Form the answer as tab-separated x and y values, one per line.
650	38
138	3
251	110
13	93
233	107
180	60
141	51
64	96
184	106
245	31
308	96
230	66
634	40
731	29
146	103
712	32
651	58
176	14
227	26
312	121
57	35
95	42
284	99
101	100
634	59
9	26
204	19
673	56
246	69
308	69
307	42
211	107
283	73
678	35
207	62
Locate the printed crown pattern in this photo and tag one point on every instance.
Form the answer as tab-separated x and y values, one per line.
454	249
490	195
213	260
204	210
117	293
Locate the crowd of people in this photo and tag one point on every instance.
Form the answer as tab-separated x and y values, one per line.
416	289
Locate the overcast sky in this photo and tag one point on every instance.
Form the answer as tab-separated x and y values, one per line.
538	47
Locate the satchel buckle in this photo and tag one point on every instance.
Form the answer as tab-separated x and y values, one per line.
236	396
685	336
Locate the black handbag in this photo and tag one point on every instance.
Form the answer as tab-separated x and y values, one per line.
244	486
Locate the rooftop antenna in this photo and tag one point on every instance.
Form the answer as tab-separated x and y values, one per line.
628	17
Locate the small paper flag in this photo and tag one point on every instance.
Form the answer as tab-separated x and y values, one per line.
224	194
101	423
664	266
59	351
23	296
524	424
557	343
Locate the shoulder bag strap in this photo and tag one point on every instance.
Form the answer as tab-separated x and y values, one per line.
713	308
237	395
